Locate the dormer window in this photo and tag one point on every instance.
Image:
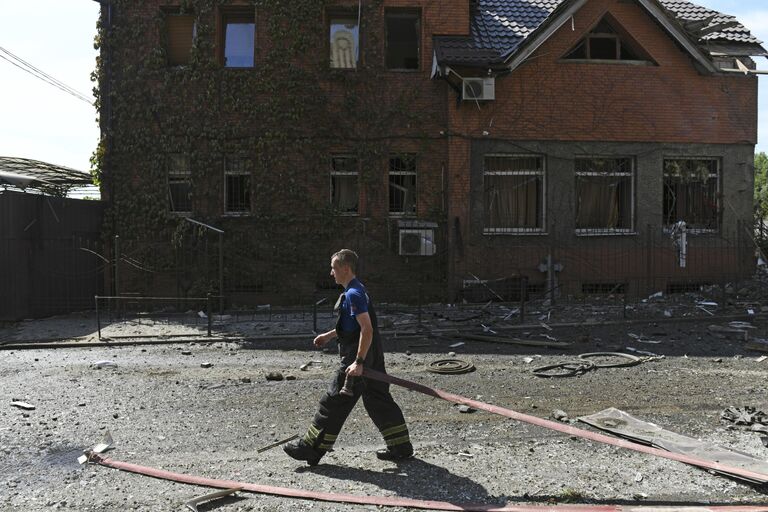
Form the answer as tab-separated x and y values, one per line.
607	41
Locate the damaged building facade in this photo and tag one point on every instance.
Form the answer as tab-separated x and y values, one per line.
446	141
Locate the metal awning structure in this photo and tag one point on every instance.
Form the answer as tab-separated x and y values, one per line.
23	174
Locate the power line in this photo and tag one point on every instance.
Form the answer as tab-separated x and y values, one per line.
41	75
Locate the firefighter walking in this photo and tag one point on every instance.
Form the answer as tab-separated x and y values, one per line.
359	346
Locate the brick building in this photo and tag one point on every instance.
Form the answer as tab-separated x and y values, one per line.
445	140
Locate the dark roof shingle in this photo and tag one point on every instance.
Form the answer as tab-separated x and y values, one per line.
499	27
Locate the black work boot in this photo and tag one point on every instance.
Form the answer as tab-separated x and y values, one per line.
396	453
300	450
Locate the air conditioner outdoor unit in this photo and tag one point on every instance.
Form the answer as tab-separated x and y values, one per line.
480	89
417	242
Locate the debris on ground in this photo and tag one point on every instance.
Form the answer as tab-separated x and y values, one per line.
275	376
744	416
23	405
450	366
104	364
466	409
193	503
206	365
560	415
277	443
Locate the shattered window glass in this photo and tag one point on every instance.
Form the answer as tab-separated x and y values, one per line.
402	185
691	192
179	184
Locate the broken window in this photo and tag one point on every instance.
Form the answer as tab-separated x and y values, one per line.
403	38
345	197
238	33
237	186
513	194
345	38
604	42
691	192
604	195
402	185
180	32
179	183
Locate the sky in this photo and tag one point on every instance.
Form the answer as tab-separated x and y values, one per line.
41	122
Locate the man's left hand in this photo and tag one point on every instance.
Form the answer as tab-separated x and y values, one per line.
355	370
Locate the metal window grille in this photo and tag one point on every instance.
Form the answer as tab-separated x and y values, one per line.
179	183
605	194
344	42
237	186
513	188
691	193
402	185
345	195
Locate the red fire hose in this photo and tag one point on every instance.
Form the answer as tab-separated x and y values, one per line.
442	505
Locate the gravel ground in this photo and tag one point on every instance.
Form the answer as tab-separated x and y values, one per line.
166	411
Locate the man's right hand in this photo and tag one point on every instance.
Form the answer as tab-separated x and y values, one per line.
321	340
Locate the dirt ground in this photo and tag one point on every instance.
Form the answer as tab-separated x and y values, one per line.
166	411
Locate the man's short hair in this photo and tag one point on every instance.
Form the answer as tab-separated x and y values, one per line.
347	257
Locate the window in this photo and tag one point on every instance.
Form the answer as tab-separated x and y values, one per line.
179	184
237	186
691	192
345	197
239	37
514	194
402	185
607	43
345	42
403	39
604	195
180	32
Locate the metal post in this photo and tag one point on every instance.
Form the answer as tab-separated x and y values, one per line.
98	316
419	311
314	313
117	265
624	300
208	312
221	273
523	293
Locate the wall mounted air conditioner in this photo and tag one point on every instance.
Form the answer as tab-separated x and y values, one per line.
417	242
480	89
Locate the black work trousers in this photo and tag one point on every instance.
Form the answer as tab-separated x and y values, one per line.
334	408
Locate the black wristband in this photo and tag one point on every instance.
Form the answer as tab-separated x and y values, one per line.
359	360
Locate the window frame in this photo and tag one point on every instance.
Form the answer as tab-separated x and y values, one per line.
235	13
622	38
336	13
631	230
414	159
404	12
182	175
541	210
333	173
177	12
245	171
717	175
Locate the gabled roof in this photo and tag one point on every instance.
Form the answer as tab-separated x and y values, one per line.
500	27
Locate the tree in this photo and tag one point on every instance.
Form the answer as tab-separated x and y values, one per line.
761	184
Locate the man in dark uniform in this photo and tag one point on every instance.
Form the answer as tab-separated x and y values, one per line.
359	346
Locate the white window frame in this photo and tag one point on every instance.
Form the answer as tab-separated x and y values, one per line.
631	230
412	157
244	172
178	175
541	172
334	173
717	175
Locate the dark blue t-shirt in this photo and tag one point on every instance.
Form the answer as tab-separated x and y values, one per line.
355	303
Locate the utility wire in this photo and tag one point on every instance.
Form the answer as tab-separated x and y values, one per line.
41	75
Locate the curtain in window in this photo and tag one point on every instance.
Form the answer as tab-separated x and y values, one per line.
345	196
512	201
598	202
